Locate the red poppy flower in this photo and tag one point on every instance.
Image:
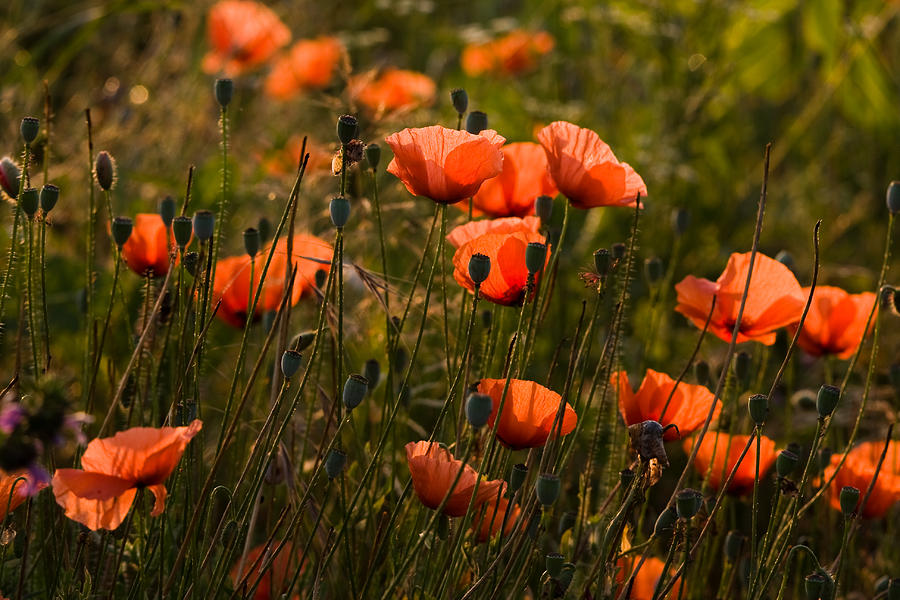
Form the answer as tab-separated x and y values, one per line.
835	323
232	284
285	160
277	577
392	90
646	579
473	229
528	412
100	496
443	164
243	35
433	470
514	53
15	488
723	445
774	300
511	193
858	471
147	248
585	169
309	64
491	519
507	281
687	409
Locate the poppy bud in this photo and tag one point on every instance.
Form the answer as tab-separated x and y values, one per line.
535	256
758	405
320	278
265	230
9	177
517	477
105	170
742	362
290	363
813	586
49	196
786	258
191	262
827	400
29	201
653	269
335	462
167	210
303	340
601	262
251	241
29	129
566	574
372	373
347	126
888	298
665	521
566	522
182	228
478	409
849	498
543	208
121	230
476	122
204	224
893	197
479	268
786	462
701	372
373	155
460	100
733	542
894	589
553	562
224	91
688	503
681	218
340	211
618	251
355	390
547	488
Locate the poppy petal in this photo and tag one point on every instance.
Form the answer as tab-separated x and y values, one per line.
95	500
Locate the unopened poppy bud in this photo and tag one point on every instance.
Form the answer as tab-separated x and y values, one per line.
733	542
681	218
601	262
758	405
355	390
894	589
517	477
347	126
49	196
813	585
849	498
167	210
479	268
265	230
340	211
29	201
224	91
478	409
204	224
688	503
303	340
701	372
191	263
460	100
786	258
547	488
476	122
893	197
535	256
653	270
335	462
29	129
553	563
618	251
742	362
182	228
543	208
665	521
121	230
9	177
105	170
786	462
566	574
251	241
290	363
320	278
372	373
566	522
827	400
888	298
373	155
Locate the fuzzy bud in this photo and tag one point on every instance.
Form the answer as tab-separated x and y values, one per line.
460	100
105	170
9	177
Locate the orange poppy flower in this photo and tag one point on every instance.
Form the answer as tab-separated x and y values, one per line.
285	161
277	576
393	89
433	470
858	471
100	496
585	169
835	323
443	164
146	248
308	64
687	409
646	579
488	522
473	229
232	284
774	300
507	281
511	193
514	53
528	412
723	445
14	490
243	35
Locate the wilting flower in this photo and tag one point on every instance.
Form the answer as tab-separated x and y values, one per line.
585	169
233	286
511	193
687	409
836	321
529	412
722	445
496	514
309	64
15	488
114	468
858	471
434	470
275	577
646	579
507	282
392	90
511	54
473	229
148	246
774	299
243	35
9	177
443	164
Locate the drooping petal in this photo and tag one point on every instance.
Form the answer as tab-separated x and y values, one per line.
95	500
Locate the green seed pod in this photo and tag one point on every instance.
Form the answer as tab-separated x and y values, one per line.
265	230
9	177
601	262
619	250
29	201
666	521
182	229
224	90
543	208
517	477
553	562
479	268
849	498
347	127
742	362
758	405
893	197
827	400
547	487
460	100
372	373
340	211
733	542
535	256
813	586
30	128
303	340
290	363
701	372
204	224
105	170
681	218
478	409
355	390
121	230
49	197
786	462
167	210
191	263
251	241
476	122
566	574
334	463
653	270
373	155
688	503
